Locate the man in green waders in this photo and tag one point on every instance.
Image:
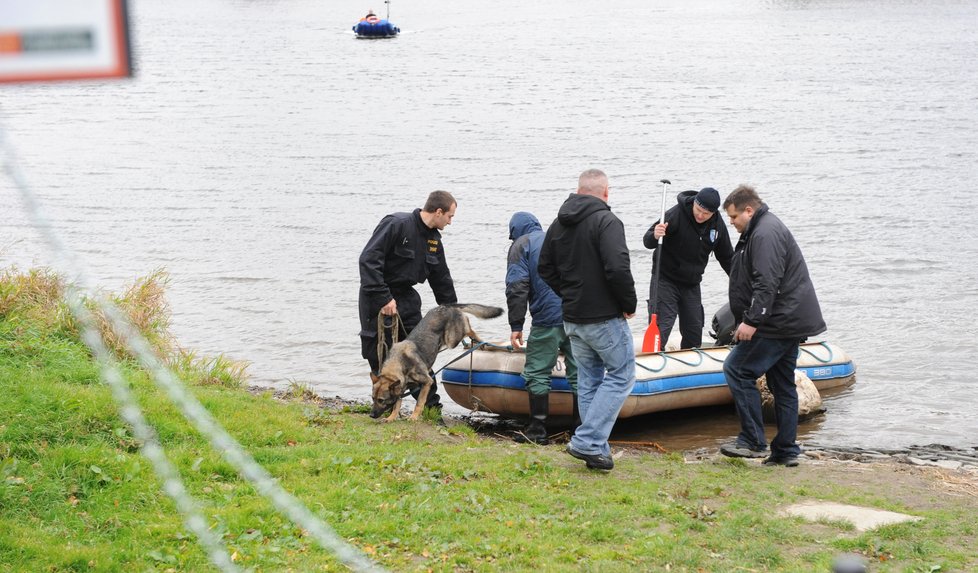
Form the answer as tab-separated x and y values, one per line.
525	288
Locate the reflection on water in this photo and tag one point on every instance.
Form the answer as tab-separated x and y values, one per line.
259	146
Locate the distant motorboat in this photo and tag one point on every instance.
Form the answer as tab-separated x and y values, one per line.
373	27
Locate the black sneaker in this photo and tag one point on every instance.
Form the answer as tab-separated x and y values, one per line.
786	461
593	461
738	450
527	437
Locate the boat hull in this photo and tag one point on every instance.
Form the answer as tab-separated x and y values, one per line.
378	30
490	381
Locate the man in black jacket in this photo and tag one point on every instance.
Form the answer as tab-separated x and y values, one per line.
692	230
773	299
404	250
584	259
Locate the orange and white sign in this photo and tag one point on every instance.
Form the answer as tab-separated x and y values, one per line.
45	40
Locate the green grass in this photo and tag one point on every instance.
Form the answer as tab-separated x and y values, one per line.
76	495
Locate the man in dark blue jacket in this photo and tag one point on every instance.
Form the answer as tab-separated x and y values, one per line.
773	299
692	230
584	258
547	339
404	250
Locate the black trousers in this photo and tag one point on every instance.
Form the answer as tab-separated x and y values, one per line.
679	300
409	309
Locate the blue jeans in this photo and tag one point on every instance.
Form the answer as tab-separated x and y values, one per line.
605	356
747	361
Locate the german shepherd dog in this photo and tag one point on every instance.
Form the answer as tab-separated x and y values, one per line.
410	360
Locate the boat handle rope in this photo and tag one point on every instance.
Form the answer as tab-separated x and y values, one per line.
666	358
655	370
475	401
810	353
463	355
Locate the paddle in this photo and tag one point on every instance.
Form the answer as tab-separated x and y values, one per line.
652	341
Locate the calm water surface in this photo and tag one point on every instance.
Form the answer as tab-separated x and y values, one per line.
260	143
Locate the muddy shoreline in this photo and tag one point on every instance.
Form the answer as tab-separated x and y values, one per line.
489	425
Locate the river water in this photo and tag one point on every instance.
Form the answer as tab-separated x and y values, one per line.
260	143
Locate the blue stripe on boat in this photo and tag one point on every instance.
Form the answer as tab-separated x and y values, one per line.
642	387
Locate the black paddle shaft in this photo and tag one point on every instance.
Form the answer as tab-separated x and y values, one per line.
655	283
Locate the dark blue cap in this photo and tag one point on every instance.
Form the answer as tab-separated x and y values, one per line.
709	199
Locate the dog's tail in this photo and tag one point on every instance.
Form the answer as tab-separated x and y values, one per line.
479	310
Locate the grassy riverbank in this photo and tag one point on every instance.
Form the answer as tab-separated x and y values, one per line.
75	494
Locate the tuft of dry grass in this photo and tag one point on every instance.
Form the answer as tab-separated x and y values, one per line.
145	305
36	296
957	482
300	391
209	371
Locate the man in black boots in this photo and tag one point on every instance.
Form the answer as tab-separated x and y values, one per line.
404	250
524	287
692	229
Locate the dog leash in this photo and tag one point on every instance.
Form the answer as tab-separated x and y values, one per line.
395	327
462	355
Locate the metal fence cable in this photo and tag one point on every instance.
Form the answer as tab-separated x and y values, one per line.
150	447
232	451
195	413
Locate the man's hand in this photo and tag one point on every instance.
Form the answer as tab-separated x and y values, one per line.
628	315
389	309
660	231
744	332
516	339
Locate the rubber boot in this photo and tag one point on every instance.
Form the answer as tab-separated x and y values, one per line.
536	429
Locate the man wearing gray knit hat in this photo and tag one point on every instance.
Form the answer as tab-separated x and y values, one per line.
692	230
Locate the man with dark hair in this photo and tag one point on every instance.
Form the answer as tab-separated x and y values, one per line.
404	250
773	299
692	230
547	339
584	259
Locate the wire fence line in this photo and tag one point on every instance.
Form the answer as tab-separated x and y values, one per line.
189	406
128	407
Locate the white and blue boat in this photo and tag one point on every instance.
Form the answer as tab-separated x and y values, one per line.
372	27
488	379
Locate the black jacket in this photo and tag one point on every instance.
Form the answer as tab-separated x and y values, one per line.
401	253
687	245
585	260
770	287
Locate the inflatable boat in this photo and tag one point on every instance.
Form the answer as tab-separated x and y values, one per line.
375	29
488	379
